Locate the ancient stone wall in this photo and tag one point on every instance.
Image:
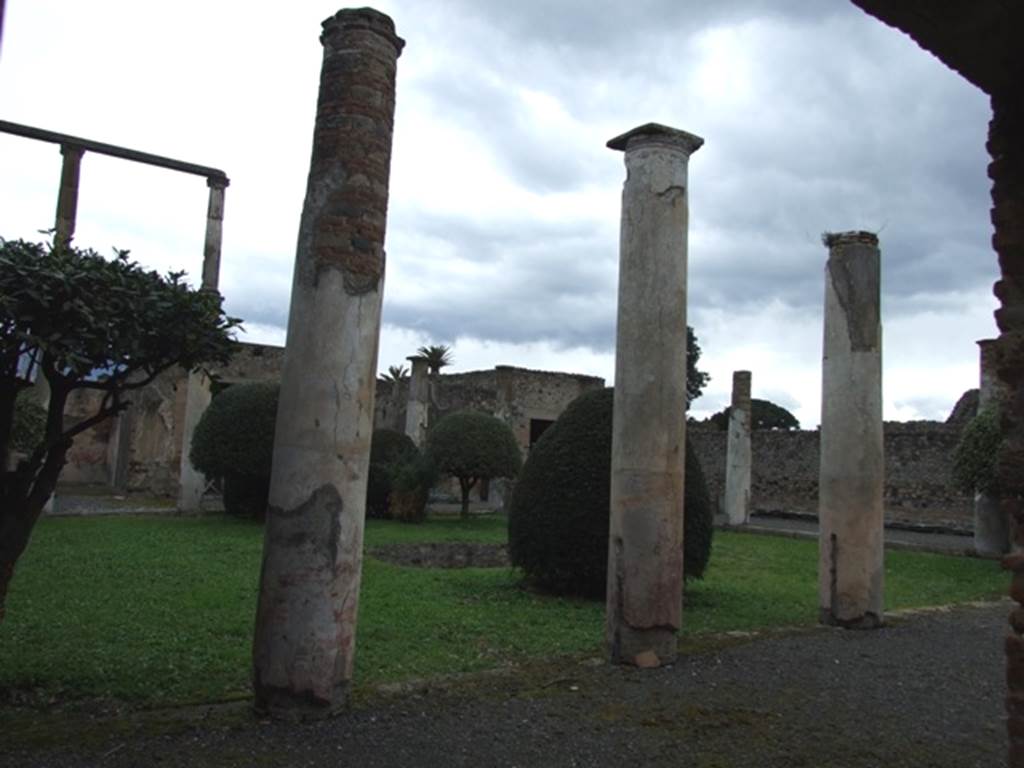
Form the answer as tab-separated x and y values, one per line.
517	396
918	467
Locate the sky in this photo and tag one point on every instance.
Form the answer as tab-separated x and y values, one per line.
503	224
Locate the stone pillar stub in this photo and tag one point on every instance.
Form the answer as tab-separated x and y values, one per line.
67	195
738	452
417	408
852	470
645	557
192	482
992	534
304	645
214	233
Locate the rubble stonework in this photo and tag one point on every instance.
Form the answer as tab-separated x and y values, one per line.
785	466
304	645
991	525
851	485
645	547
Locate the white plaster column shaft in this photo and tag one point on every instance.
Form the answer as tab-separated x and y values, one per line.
417	408
304	646
645	557
852	471
192	482
991	525
738	453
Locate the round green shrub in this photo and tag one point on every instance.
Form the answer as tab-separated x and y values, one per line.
977	454
29	427
473	446
234	440
558	516
389	449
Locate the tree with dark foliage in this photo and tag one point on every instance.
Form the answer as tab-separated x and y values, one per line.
80	321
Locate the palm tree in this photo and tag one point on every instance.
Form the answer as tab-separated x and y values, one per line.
438	356
395	373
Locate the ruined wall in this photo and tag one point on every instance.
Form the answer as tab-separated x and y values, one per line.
515	395
918	467
87	459
141	451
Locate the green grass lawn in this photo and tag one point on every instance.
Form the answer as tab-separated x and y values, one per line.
159	610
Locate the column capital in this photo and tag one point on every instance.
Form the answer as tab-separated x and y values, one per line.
362	18
655	134
856	237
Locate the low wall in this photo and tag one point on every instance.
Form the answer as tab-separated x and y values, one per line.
918	468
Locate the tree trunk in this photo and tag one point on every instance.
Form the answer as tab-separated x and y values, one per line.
466	483
21	503
25	490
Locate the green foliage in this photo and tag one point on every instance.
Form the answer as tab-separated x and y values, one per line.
411	481
558	518
472	446
764	414
977	454
469	444
696	379
158	611
85	322
29	428
77	312
438	356
389	450
234	440
395	373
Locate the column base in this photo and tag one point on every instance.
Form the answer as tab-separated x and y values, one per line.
868	620
645	648
294	706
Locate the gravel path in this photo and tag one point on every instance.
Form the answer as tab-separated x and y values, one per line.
926	690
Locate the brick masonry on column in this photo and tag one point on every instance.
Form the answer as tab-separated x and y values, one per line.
1006	147
304	646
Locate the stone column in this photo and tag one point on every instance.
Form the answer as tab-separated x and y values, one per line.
738	460
418	406
304	645
67	197
852	472
991	524
645	556
192	482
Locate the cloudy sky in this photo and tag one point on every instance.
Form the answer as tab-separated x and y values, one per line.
504	215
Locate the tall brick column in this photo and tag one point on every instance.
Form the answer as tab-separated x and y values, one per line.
1006	147
304	645
852	474
645	548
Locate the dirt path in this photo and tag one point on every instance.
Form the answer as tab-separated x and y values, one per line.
925	691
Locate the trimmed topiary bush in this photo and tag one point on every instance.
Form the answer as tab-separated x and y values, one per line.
472	446
977	454
389	449
558	516
234	440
